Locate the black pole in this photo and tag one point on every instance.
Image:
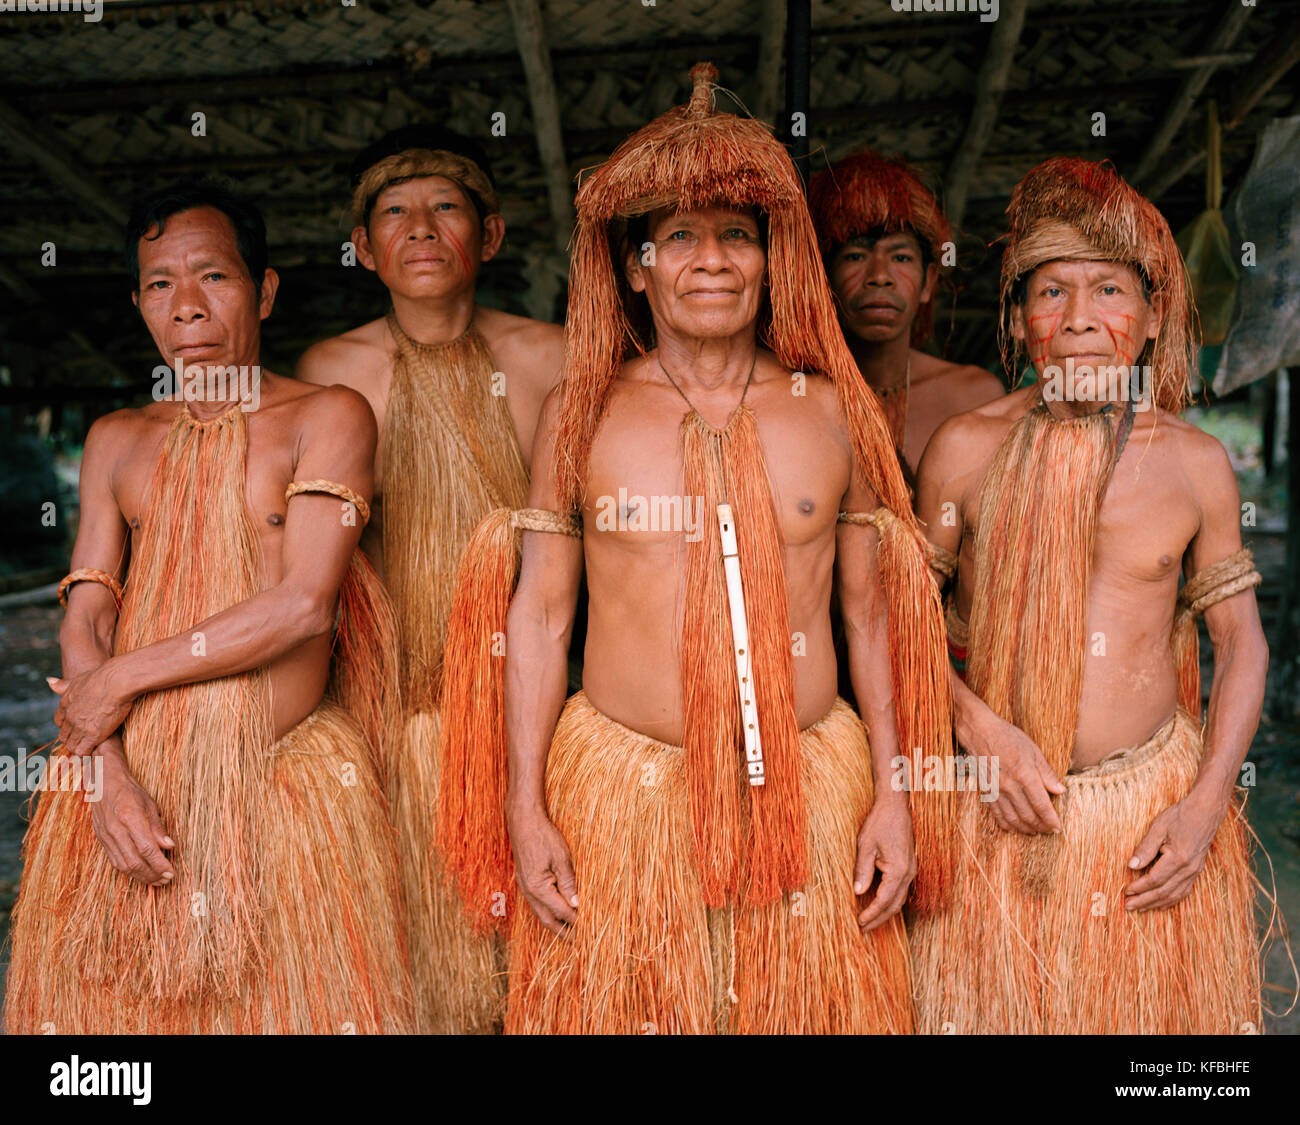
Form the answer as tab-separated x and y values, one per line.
798	68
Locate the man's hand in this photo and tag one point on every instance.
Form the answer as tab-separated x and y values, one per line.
1181	836
91	708
1023	776
127	823
885	846
544	870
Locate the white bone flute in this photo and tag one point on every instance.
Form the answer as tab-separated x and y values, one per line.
740	645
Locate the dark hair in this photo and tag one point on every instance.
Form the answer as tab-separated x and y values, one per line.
154	210
432	137
874	235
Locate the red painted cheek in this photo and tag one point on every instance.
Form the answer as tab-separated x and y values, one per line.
851	278
1041	330
1120	326
457	248
391	249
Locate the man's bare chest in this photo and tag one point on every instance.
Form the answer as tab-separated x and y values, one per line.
638	473
269	458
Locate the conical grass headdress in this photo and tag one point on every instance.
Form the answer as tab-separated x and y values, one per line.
1082	210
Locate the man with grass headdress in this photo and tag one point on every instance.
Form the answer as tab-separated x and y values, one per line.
704	838
1107	888
456	387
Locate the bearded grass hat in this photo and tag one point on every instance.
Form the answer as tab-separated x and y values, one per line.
1069	209
867	192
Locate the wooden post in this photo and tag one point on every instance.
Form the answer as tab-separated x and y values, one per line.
530	36
990	84
1285	659
771	40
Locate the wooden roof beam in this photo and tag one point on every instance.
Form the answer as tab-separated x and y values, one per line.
1225	34
20	134
1269	67
771	48
530	36
990	85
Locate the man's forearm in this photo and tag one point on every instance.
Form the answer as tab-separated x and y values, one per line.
1236	699
869	670
971	715
535	688
85	641
248	635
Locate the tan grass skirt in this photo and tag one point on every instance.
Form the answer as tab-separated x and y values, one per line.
331	951
459	975
1073	960
647	956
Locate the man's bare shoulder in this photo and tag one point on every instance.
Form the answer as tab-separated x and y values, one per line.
996	414
1201	455
519	337
967	436
354	358
818	391
123	428
965	385
497	324
335	408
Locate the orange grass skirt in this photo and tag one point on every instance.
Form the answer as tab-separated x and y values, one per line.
1074	961
333	950
647	956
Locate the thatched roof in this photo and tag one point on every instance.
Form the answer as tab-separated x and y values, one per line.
93	113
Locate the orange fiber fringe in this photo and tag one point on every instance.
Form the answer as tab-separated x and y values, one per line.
1185	643
923	704
765	842
94	950
444	430
648	956
471	836
459	972
336	960
364	672
339	961
198	750
1002	961
1033	548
